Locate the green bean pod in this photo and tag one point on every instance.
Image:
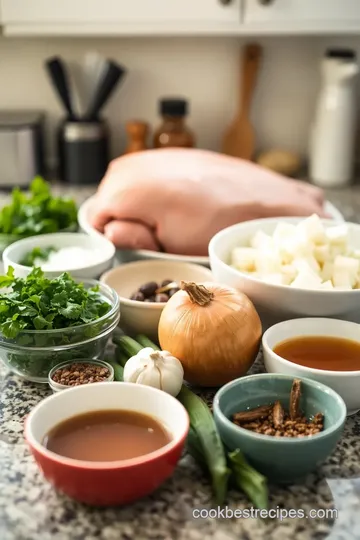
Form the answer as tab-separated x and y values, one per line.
202	422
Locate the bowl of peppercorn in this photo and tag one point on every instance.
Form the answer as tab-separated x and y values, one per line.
79	372
144	287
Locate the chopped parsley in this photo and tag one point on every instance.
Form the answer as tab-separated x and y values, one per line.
37	212
38	303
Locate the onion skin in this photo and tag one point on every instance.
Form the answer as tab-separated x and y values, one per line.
216	342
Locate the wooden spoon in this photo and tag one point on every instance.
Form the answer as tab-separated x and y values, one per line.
239	139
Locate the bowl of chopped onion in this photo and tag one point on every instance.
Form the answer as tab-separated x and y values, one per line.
291	267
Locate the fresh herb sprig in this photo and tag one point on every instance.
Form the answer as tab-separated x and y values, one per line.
37	212
37	254
38	303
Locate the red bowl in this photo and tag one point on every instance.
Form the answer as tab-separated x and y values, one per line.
115	482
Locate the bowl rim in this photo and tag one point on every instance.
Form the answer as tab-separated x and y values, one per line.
7	253
276	288
85	225
148	264
58	386
105	465
306	369
275	439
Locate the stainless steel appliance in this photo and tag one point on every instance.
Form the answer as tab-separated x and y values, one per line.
21	147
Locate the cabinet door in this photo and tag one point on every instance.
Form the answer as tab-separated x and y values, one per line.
300	11
120	11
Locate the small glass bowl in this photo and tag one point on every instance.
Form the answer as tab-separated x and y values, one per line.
33	353
56	387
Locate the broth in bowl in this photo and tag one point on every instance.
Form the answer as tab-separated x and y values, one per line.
326	350
107	435
120	478
321	352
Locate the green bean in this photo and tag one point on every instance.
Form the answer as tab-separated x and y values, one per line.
203	424
194	448
118	371
146	342
120	357
249	480
127	345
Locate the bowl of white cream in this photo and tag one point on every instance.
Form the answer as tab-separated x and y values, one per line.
79	254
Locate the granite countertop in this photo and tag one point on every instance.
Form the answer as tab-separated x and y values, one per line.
30	509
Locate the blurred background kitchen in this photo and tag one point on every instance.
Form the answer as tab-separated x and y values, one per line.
183	49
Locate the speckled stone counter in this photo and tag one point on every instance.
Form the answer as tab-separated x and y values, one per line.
31	510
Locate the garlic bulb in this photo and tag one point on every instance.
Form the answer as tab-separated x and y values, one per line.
155	368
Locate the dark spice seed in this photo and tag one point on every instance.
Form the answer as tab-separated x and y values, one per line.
148	289
273	420
155	292
80	373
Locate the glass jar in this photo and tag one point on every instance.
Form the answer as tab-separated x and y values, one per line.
173	131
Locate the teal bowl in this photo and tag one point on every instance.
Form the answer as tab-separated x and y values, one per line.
282	459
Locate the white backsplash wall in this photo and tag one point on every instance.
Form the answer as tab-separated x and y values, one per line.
204	70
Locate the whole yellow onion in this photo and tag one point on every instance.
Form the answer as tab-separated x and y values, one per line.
213	330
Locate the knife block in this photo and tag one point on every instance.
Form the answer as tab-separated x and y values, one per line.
83	149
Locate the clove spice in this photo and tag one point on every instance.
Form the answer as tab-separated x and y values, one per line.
275	421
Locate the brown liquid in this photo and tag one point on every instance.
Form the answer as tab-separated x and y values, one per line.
321	352
108	435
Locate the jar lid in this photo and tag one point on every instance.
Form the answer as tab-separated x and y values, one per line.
173	107
342	54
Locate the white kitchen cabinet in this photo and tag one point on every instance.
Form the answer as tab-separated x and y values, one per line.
179	17
141	14
295	13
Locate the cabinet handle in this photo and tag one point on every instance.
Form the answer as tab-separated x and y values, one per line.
266	2
225	2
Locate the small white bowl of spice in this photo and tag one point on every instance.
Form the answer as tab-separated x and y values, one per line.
81	255
78	372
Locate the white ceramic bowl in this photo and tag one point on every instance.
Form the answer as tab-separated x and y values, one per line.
15	253
279	302
143	317
124	256
345	383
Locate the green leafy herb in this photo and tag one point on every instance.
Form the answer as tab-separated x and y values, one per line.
37	254
37	212
38	303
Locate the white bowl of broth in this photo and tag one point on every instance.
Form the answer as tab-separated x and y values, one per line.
322	349
108	443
